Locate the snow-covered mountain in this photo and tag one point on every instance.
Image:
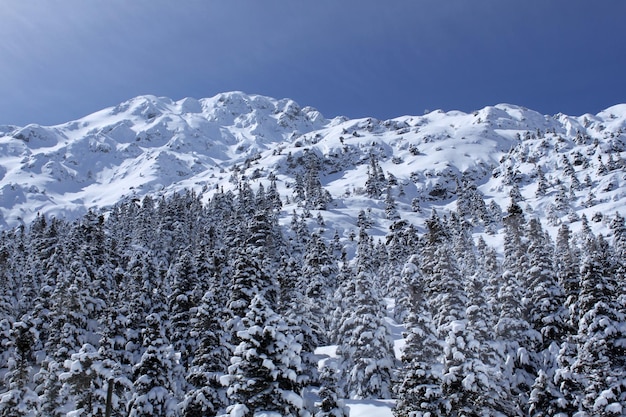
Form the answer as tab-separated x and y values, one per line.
156	145
325	277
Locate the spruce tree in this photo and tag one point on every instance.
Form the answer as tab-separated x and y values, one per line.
206	395
156	376
265	369
182	304
19	399
544	299
419	392
600	334
330	405
367	357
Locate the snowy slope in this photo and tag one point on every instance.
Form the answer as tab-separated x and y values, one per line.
156	145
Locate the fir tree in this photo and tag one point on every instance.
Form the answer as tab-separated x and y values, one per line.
420	388
156	375
545	299
206	395
183	301
366	354
19	400
600	335
319	274
329	405
264	375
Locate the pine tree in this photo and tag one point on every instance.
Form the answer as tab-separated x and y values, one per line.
543	397
87	378
299	312
19	400
490	271
145	294
420	388
207	396
183	301
319	274
264	375
444	289
544	299
113	361
600	335
365	348
329	405
542	182
376	182
512	328
391	209
156	375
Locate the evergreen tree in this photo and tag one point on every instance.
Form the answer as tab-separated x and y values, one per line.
543	400
206	395
567	269
156	376
542	182
87	378
329	405
183	301
445	288
19	400
512	328
366	353
391	209
419	392
544	299
319	274
266	365
600	335
376	182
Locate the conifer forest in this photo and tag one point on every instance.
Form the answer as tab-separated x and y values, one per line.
175	307
463	265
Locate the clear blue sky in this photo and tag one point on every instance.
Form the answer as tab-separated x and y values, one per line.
63	59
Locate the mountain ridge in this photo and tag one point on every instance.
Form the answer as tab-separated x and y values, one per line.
152	144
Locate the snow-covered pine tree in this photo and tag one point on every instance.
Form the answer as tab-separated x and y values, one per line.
543	302
206	395
330	405
544	298
319	274
19	399
401	242
483	360
143	294
490	271
114	360
182	303
87	377
513	331
544	397
419	392
445	287
367	357
567	270
157	376
600	334
265	369
317	197
298	311
391	207
375	183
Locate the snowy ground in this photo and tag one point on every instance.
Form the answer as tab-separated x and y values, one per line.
370	408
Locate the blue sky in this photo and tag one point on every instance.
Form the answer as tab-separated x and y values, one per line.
63	59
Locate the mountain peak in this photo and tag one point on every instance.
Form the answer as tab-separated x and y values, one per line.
151	144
